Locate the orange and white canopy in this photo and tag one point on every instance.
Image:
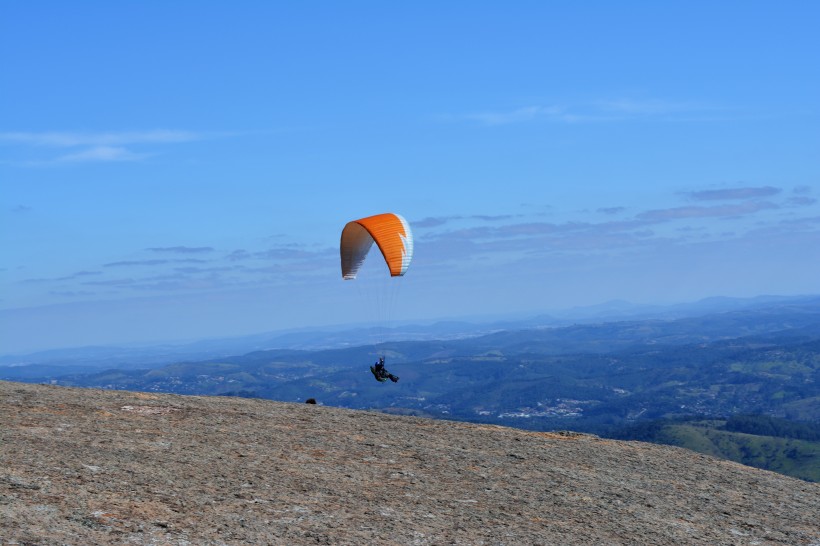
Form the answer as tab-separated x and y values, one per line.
389	231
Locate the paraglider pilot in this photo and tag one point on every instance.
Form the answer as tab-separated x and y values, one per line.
381	374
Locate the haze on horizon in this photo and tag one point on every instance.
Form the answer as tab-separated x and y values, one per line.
184	171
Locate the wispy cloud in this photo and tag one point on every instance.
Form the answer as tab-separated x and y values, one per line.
71	277
720	211
527	113
130	263
110	282
238	255
514	241
202	270
647	107
734	193
285	263
280	253
183	249
611	210
141	263
648	229
101	154
432	221
57	139
283	253
811	222
801	201
107	146
621	109
71	293
493	218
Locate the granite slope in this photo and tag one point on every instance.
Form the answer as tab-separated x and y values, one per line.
85	466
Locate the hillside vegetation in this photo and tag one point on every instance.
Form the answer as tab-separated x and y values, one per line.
760	441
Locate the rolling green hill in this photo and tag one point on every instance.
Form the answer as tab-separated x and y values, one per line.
790	448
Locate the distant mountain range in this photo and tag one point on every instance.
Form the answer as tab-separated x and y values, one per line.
153	355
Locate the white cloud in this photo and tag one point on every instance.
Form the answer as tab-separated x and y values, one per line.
101	153
99	146
622	109
647	107
57	139
528	113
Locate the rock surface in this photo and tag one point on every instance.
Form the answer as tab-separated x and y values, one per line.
82	466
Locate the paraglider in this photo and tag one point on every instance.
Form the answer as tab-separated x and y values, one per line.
389	231
393	237
381	374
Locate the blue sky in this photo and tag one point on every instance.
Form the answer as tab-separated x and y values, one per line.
183	170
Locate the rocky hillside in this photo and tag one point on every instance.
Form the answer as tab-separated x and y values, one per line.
82	466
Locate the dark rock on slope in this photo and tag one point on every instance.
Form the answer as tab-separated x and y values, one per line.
84	466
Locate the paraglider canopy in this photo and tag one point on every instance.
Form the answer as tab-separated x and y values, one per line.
389	231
